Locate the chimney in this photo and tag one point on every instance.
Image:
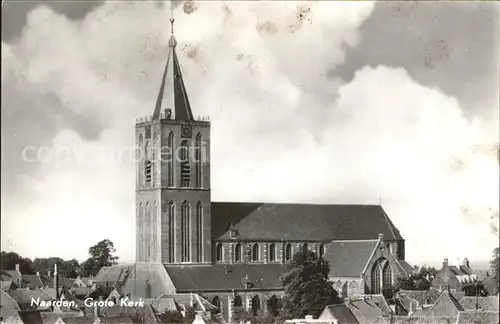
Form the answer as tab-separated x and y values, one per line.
38	273
381	237
466	262
56	281
17	267
309	317
445	263
49	273
96	311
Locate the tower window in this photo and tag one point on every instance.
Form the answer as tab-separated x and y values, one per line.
185	226
185	166
199	224
321	250
198	163
169	159
171	236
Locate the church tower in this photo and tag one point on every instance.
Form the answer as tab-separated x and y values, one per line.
173	221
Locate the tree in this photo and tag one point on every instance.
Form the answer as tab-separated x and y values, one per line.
495	264
101	255
307	288
8	261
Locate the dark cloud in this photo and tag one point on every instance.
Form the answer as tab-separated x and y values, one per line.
448	45
14	13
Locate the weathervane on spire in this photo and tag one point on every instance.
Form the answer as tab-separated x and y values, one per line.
172	41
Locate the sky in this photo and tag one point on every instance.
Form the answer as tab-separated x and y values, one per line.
310	102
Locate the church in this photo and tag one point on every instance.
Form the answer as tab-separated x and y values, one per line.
233	253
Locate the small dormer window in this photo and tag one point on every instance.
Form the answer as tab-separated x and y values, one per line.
233	233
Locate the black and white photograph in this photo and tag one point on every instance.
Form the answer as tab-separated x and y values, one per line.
248	162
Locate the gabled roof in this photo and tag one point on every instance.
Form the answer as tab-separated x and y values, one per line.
185	300
377	299
81	291
341	313
9	275
422	297
405	266
489	303
6	285
33	281
349	258
112	274
365	310
216	278
172	93
23	297
9	305
446	305
297	222
132	313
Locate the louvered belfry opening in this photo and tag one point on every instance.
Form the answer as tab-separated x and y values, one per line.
185	166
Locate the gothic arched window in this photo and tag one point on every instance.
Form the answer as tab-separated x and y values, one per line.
237	253
255	252
272	252
140	162
185	166
185	230
255	305
386	276
154	172
219	252
171	236
237	301
199	169
375	278
168	157
148	229
154	228
140	228
353	288
321	250
288	252
216	302
199	231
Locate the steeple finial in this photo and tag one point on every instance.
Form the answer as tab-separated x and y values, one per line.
172	41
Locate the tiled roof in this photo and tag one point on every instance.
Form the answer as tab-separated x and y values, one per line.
24	297
483	317
79	320
81	291
365	311
378	300
186	300
117	273
9	305
266	221
406	266
6	285
116	320
132	313
216	278
49	317
489	303
349	258
33	281
87	280
398	319
423	297
6	275
446	305
341	313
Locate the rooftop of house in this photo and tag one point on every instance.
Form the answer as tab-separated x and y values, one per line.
489	303
112	274
9	305
183	301
365	311
9	275
273	221
377	299
226	277
24	296
32	281
445	305
341	313
480	316
422	297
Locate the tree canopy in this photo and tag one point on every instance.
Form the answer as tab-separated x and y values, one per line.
100	255
307	288
495	264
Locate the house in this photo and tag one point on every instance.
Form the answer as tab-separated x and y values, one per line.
83	282
410	301
489	303
34	317
446	305
32	281
24	298
113	276
14	276
8	305
355	310
479	316
454	277
144	314
232	253
309	319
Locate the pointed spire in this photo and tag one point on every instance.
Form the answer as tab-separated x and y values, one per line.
172	93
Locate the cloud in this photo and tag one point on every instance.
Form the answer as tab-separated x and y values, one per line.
282	128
